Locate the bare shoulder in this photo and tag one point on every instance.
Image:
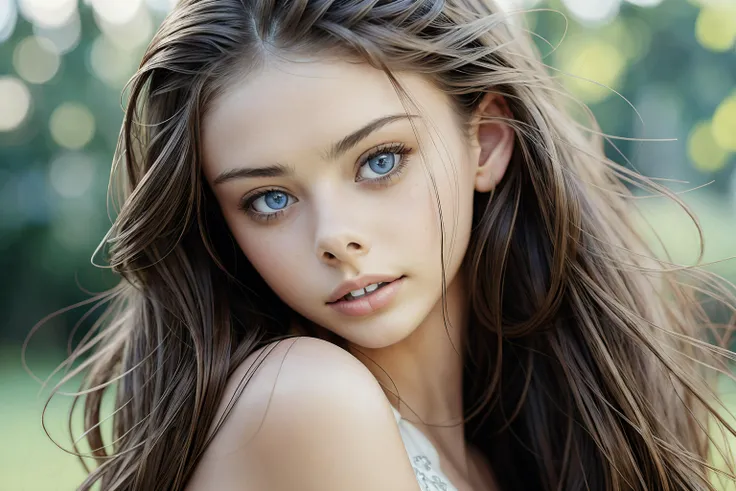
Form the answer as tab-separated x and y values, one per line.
310	417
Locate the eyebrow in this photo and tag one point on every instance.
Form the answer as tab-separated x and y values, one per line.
336	151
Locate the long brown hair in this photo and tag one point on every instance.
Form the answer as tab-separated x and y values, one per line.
587	365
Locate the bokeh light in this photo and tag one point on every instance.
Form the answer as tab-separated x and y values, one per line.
711	3
48	13
593	12
598	12
72	125
715	27
36	60
160	5
732	194
597	67
71	174
65	37
130	35
703	149
8	18
115	11
109	63
724	124
645	3
511	5
15	103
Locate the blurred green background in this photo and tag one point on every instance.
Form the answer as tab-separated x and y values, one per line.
63	65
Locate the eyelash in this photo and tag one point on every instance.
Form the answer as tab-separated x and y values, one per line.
396	148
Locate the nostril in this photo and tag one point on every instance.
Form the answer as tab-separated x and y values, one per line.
354	246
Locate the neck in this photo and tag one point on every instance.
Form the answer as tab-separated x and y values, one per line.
422	374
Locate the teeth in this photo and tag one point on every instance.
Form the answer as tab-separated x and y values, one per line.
363	291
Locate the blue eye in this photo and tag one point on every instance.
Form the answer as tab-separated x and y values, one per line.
382	163
379	165
273	200
276	199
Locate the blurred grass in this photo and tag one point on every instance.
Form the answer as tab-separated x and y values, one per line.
29	461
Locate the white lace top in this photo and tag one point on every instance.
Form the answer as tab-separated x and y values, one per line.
423	456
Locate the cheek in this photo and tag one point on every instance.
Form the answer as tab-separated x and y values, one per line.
275	255
410	225
448	207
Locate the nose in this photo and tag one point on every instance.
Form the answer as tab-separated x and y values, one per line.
345	247
341	238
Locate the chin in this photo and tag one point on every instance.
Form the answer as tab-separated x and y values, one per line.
380	331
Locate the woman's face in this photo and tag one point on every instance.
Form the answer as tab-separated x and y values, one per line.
317	170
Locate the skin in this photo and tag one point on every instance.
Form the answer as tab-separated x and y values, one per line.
291	113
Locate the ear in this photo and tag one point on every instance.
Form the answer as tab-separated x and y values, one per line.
492	140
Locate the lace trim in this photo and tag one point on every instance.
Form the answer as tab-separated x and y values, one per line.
422	456
426	476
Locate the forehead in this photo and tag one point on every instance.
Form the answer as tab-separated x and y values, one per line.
303	104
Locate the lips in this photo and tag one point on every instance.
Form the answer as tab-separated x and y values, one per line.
371	303
355	284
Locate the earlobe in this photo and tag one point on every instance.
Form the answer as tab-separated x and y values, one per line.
495	140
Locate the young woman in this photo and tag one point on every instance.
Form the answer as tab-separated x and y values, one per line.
364	245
